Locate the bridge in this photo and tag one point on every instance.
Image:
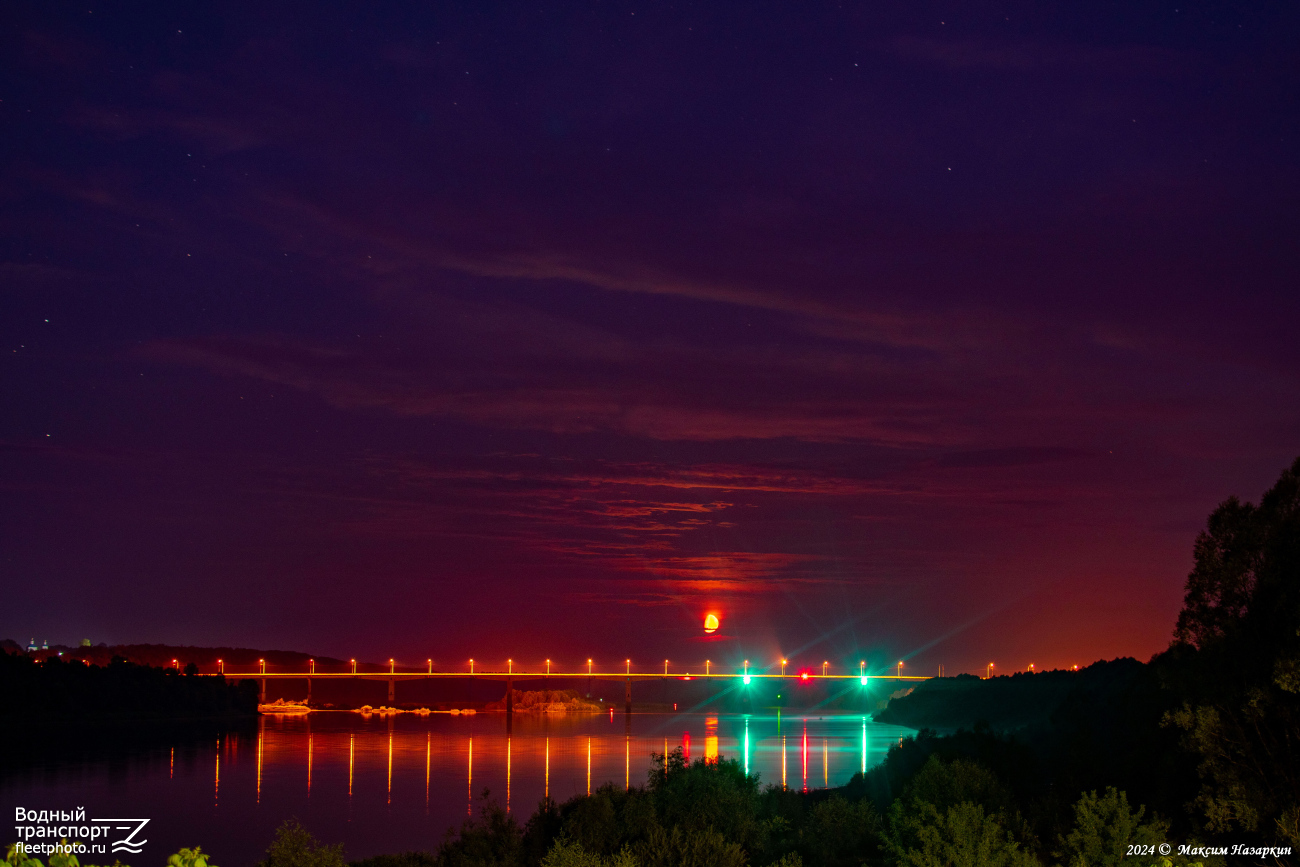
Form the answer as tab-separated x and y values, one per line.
745	676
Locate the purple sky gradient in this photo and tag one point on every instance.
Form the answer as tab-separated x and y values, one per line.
927	333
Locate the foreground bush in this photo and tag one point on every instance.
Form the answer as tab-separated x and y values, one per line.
184	858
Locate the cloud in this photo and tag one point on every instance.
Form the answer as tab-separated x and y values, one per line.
1010	457
611	271
734	394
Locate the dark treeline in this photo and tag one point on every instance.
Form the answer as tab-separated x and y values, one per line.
1021	701
161	656
1199	747
39	691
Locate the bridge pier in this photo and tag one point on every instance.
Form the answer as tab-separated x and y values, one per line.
510	697
309	690
261	692
392	683
628	696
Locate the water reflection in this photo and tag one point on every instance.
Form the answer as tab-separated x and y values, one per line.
584	756
261	732
358	780
805	755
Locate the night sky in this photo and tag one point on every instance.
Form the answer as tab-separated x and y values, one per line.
884	331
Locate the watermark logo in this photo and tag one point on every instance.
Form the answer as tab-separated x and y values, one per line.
127	843
47	832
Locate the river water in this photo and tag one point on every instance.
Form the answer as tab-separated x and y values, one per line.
390	784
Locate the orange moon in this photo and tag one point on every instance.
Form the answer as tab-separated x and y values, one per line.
710	623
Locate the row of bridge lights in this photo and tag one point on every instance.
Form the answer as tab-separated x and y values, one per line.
510	667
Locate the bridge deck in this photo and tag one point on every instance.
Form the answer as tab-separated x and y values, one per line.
542	675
